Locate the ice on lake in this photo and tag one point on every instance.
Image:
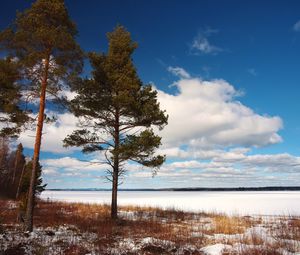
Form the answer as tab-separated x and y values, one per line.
244	203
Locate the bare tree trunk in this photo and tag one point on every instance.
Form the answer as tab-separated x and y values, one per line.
37	147
3	153
18	153
20	181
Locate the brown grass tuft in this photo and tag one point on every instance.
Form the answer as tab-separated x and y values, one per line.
223	224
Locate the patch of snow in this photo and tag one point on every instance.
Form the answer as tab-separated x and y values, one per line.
215	249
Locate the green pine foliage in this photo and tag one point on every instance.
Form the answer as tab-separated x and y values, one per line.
25	188
115	102
12	116
44	32
117	110
25	182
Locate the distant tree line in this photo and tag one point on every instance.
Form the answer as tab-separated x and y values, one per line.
15	173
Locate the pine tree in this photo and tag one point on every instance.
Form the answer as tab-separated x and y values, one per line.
11	169
12	117
24	187
19	161
25	181
42	39
112	105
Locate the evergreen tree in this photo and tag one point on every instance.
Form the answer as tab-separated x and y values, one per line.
112	106
24	187
12	117
19	161
11	169
42	39
25	181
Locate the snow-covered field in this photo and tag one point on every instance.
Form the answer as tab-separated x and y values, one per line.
246	202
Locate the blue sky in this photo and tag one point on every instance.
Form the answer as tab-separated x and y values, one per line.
246	52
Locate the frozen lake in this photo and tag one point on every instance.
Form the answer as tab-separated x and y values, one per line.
246	202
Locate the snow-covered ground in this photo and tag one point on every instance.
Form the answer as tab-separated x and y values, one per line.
242	203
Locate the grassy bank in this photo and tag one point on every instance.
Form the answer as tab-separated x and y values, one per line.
75	228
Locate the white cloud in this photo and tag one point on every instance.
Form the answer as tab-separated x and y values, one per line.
173	152
180	72
281	163
245	170
226	168
296	26
70	164
49	171
53	134
201	44
206	114
203	115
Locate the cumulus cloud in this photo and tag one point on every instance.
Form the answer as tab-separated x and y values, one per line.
53	134
205	114
296	26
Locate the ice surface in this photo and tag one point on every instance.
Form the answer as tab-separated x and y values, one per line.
243	203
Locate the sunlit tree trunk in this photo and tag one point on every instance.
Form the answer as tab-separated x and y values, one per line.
37	147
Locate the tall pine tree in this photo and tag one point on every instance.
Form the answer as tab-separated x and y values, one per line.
112	106
42	39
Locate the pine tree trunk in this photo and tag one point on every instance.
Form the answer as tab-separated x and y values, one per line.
114	199
37	147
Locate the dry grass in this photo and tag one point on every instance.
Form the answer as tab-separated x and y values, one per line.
137	221
256	251
179	227
223	224
287	228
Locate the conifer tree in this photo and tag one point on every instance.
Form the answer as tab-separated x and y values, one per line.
12	164
24	186
12	117
18	158
42	39
113	105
